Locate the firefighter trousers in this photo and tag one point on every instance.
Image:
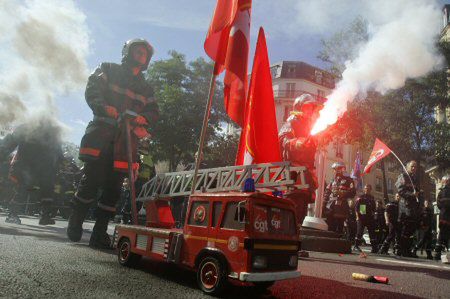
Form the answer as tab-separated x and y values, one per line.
100	181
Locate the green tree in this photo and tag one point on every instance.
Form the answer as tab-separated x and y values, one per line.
181	89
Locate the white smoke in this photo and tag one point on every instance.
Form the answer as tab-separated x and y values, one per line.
43	49
401	45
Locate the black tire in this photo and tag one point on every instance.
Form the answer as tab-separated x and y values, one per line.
211	276
261	286
124	254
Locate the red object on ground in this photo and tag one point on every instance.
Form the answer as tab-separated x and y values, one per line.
259	138
381	279
228	43
380	150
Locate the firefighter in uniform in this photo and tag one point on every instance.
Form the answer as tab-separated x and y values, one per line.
408	189
298	147
443	203
34	165
391	216
111	90
365	210
425	231
337	208
380	223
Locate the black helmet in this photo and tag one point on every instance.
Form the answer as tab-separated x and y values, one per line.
126	51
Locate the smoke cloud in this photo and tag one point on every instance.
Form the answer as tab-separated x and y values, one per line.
401	46
43	50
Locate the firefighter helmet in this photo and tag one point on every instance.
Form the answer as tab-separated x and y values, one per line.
305	99
126	51
338	166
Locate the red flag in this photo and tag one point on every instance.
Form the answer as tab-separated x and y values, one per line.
380	150
228	43
259	137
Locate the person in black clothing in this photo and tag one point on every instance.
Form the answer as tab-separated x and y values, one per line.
380	223
391	216
350	223
425	231
337	194
365	209
408	188
443	203
38	155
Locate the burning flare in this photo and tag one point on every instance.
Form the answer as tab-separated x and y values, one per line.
334	107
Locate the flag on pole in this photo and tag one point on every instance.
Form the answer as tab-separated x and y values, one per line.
259	137
356	171
380	150
228	44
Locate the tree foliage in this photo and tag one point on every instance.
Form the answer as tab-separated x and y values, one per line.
403	118
181	89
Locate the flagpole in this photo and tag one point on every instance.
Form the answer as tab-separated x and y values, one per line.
406	171
204	127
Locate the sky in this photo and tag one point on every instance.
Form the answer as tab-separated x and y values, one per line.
293	29
177	25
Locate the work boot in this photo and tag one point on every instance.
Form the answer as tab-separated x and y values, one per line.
429	255
100	238
413	253
13	218
46	220
437	256
384	249
76	219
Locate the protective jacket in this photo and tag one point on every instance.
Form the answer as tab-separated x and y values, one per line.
297	146
115	85
392	212
365	207
345	185
408	204
38	153
443	203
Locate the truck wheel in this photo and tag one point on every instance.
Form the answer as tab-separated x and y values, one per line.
263	285
211	275
124	254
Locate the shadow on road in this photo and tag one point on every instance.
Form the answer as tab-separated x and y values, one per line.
443	274
313	287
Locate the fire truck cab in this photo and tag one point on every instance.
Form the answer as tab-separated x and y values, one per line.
245	236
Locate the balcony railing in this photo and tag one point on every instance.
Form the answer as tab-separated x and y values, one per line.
293	94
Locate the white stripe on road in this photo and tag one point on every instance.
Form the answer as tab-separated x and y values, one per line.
415	264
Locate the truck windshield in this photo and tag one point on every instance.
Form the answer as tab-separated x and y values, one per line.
274	220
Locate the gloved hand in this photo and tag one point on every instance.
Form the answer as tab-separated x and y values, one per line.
140	120
141	132
111	112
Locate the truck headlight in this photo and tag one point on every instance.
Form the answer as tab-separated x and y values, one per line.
293	261
259	262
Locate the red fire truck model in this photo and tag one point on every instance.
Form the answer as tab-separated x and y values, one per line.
249	235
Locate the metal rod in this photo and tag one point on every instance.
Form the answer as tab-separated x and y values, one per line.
130	172
204	127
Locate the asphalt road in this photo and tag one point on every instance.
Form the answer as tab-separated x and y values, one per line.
38	262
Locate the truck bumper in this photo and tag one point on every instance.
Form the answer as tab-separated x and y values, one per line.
268	276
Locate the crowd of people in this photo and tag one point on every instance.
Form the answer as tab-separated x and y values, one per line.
407	221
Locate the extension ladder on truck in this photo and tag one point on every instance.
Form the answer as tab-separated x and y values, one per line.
267	177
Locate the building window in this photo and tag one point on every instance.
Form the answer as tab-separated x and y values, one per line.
378	184
390	186
287	112
290	89
319	76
